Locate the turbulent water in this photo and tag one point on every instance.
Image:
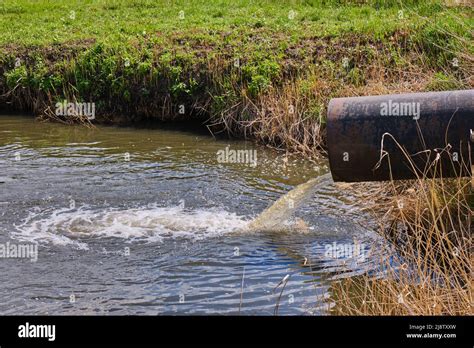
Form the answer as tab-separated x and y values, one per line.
278	216
149	221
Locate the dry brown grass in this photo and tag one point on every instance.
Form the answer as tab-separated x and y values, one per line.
293	117
426	267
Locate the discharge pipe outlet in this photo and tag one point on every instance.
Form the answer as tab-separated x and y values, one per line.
401	136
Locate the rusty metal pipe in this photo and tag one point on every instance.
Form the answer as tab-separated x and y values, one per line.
400	136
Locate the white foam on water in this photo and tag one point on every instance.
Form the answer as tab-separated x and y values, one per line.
150	223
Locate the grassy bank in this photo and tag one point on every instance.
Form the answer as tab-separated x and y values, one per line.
261	69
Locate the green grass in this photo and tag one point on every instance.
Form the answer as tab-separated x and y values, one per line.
46	22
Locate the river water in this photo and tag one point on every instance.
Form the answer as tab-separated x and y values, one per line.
150	220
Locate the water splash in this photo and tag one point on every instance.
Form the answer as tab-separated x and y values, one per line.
151	224
275	217
154	224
